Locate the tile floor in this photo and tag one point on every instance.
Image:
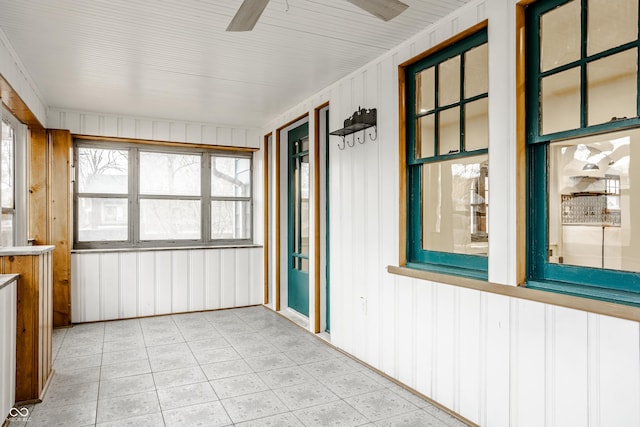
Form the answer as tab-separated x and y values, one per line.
242	367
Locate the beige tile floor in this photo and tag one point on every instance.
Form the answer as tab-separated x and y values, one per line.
243	367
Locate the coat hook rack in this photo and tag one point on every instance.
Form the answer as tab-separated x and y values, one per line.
360	120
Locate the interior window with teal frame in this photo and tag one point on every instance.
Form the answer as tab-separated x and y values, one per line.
447	159
583	131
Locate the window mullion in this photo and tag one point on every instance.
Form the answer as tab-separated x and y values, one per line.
134	196
462	105
205	197
584	101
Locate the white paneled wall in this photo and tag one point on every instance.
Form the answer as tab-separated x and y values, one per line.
12	69
118	285
8	306
496	360
95	124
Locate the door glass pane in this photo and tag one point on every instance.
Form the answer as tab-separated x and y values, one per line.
304	206
612	87
592	199
426	132
103	171
476	71
454	206
103	219
230	219
169	174
230	176
296	207
304	266
611	24
476	125
449	127
561	101
449	81
162	219
425	90
560	36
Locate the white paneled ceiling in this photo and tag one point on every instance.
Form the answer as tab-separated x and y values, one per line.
173	59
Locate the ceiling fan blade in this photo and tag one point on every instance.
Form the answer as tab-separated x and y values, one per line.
383	9
247	15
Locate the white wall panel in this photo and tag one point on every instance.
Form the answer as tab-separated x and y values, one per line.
146	284
128	284
496	360
14	71
108	125
164	282
8	313
196	280
121	285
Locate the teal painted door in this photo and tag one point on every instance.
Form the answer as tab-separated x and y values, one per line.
298	219
327	225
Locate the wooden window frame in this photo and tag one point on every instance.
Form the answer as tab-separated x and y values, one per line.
607	285
412	254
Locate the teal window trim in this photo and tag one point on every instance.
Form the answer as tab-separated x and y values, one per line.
472	266
602	284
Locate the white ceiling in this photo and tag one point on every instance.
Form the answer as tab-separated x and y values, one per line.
173	59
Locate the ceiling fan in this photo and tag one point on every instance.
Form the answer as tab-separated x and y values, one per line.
250	10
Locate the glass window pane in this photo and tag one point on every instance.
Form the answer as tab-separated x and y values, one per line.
230	176
169	219
476	125
426	136
591	201
476	71
449	81
103	171
611	24
6	234
230	219
612	87
561	101
425	90
169	174
449	129
102	219
560	36
454	206
304	206
7	168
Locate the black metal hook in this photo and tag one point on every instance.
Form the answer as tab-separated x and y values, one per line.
353	141
375	128
343	144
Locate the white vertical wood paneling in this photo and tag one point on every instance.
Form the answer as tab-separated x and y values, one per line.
14	71
120	285
214	279
528	358
180	279
571	368
496	360
96	124
8	312
109	296
164	282
619	372
196	280
128	283
146	283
